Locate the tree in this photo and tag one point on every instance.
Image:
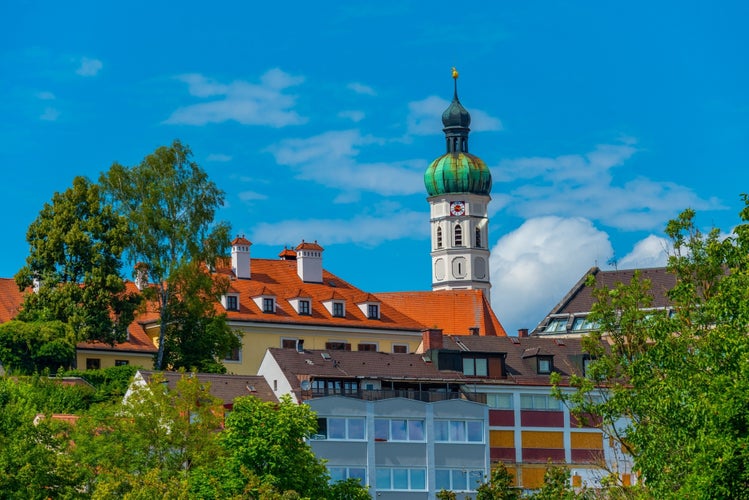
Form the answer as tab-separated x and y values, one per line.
267	441
556	484
499	486
75	247
681	380
37	346
170	204
148	446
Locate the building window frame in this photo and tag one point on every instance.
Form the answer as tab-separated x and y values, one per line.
459	431
232	303
339	309
458	235
269	305
121	362
400	430
401	478
341	429
399	348
475	366
373	311
305	307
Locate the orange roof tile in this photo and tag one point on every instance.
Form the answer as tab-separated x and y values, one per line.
309	246
453	311
241	240
11	299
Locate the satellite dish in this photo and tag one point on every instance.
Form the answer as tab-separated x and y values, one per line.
306	385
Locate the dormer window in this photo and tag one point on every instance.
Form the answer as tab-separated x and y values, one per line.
556	325
269	305
545	364
232	303
304	307
373	311
475	366
339	310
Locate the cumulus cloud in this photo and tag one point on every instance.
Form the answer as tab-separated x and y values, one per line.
331	160
652	251
425	117
368	230
89	67
251	196
533	266
582	185
264	103
360	88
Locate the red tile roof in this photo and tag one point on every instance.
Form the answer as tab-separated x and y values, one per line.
11	299
224	387
455	312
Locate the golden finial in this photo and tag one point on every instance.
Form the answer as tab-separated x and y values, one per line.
455	73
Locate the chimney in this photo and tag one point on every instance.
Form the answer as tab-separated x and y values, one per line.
309	262
240	257
431	338
522	332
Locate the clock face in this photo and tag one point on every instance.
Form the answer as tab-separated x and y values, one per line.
457	208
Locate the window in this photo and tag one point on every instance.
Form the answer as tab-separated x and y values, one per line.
539	402
93	363
586	365
401	479
338	310
458	479
475	367
121	362
323	387
373	311
439	237
366	346
459	431
337	346
400	348
343	473
545	364
304	307
233	355
459	236
556	325
399	430
583	323
341	428
478	237
232	303
288	343
268	305
499	401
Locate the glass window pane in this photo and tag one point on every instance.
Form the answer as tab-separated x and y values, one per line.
418	479
442	479
416	430
336	428
398	430
356	428
400	479
457	431
383	479
337	473
468	367
459	479
475	478
481	369
475	431
441	430
358	473
382	429
526	402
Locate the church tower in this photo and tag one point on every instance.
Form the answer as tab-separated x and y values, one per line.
458	184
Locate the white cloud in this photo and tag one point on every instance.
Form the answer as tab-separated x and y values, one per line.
425	117
535	265
352	114
581	185
251	196
330	159
50	115
651	251
244	102
360	88
368	230
218	157
89	67
45	96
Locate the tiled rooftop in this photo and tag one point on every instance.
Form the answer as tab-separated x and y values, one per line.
224	387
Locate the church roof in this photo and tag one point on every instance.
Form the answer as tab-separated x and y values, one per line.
458	172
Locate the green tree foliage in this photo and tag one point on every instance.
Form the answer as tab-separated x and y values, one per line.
681	380
267	441
499	486
37	346
147	447
556	484
75	247
170	204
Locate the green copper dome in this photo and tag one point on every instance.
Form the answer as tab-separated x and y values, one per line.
458	173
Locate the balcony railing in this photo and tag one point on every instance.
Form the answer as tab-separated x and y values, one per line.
415	394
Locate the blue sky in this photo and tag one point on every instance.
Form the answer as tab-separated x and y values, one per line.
599	121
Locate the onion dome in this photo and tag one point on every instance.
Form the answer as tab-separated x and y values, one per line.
457	171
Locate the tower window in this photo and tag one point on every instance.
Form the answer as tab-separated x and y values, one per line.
478	238
458	236
439	237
